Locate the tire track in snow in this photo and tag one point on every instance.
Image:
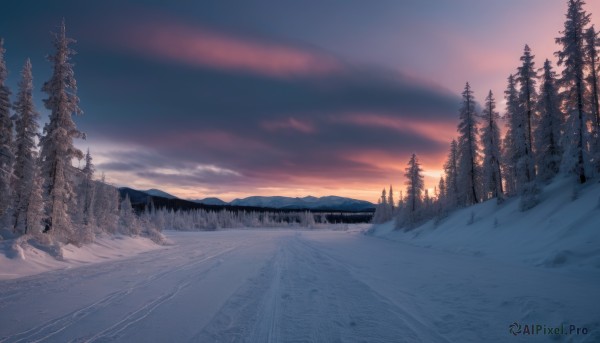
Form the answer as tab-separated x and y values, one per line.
302	295
252	313
419	330
55	326
112	332
269	315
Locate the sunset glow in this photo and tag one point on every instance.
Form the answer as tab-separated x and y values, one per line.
213	101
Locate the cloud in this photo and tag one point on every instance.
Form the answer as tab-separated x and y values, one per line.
441	131
197	46
288	124
331	131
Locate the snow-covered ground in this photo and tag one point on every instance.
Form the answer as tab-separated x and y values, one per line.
297	286
560	232
21	257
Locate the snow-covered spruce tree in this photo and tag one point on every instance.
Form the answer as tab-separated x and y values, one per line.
442	199
490	139
35	203
514	142
572	58
128	221
548	131
526	77
451	173
391	205
381	214
592	42
307	219
468	177
384	204
6	140
427	204
84	219
507	167
414	193
442	190
86	192
57	149
400	201
26	125
106	206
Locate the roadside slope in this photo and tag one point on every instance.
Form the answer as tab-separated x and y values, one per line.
560	232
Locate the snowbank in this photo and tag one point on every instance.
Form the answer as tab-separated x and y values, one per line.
562	231
20	257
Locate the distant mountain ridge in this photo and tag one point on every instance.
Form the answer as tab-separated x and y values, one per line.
159	193
326	203
210	201
333	203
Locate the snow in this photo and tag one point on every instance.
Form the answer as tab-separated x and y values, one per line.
558	233
286	285
466	278
22	258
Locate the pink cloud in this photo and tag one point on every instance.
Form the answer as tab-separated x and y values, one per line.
203	47
289	124
438	131
217	139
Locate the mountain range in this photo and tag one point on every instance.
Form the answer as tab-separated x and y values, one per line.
329	203
326	203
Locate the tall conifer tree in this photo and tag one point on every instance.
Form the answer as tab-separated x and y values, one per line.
572	58
57	149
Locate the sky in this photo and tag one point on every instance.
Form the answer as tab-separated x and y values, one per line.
277	97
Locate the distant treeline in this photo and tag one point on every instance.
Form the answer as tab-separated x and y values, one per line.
140	201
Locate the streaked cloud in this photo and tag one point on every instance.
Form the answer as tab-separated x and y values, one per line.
441	130
204	98
195	45
288	124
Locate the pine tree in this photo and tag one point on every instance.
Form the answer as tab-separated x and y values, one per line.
385	213
592	42
35	203
87	191
548	132
106	207
442	196
443	193
571	57
526	77
593	61
401	201
490	138
57	149
6	139
391	201
129	223
468	169
414	190
507	166
451	172
426	204
26	124
514	142
381	214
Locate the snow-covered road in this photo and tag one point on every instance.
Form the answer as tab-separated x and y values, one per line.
295	286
